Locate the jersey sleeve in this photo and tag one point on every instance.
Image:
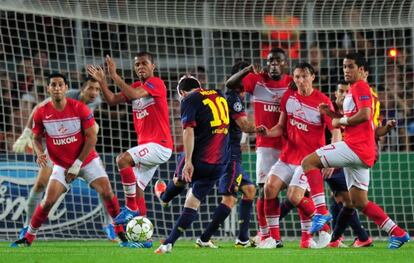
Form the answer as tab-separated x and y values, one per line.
155	87
236	107
362	95
283	100
86	116
249	82
38	129
188	112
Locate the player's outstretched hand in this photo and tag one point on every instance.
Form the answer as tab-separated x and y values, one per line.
73	171
391	124
187	172
110	63
42	160
24	140
96	72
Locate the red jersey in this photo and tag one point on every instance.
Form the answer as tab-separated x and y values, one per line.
305	126
151	119
63	131
360	138
267	94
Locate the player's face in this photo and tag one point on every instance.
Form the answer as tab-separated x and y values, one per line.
91	91
352	72
276	63
303	79
57	89
340	93
144	68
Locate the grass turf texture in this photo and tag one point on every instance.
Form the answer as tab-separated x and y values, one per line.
185	251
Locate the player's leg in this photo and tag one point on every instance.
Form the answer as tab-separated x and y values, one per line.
330	156
266	158
279	177
35	196
245	209
195	195
358	182
174	187
57	186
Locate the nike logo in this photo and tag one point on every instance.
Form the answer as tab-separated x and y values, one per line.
48	116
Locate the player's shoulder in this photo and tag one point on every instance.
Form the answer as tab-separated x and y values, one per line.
320	95
154	82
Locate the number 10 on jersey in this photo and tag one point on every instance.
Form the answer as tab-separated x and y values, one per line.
220	111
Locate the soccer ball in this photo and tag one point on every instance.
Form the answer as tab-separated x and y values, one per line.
139	229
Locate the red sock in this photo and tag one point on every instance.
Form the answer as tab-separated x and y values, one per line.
307	206
381	219
142	207
264	230
38	218
272	214
129	182
305	224
315	182
326	228
112	206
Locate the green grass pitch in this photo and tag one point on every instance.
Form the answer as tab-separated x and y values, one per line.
185	252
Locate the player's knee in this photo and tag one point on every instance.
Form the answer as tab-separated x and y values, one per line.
295	195
309	162
249	192
270	188
124	160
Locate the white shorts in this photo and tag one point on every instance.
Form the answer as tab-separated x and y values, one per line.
89	172
290	174
339	155
147	157
266	157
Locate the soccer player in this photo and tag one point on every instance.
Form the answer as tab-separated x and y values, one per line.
267	88
205	119
150	112
88	94
69	128
356	154
299	121
235	178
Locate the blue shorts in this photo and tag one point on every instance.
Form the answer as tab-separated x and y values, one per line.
234	178
204	178
337	182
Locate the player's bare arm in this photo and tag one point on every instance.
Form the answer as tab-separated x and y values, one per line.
235	80
38	149
325	109
245	125
384	130
128	91
188	142
88	146
361	116
98	74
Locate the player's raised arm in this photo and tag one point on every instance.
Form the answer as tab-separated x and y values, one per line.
98	74
143	67
235	80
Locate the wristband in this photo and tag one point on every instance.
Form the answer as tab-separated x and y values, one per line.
344	121
77	162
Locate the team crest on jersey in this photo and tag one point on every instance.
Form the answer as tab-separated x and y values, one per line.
62	129
237	107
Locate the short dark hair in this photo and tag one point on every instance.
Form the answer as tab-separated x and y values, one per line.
188	83
147	54
57	75
305	65
88	79
276	50
239	65
358	58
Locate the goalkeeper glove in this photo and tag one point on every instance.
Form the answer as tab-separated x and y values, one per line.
24	140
